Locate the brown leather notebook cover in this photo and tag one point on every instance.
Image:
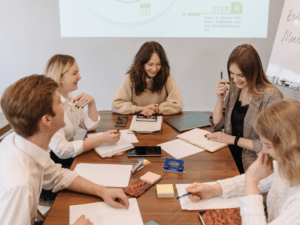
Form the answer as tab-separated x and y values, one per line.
221	217
138	188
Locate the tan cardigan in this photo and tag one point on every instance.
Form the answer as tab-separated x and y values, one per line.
255	107
169	99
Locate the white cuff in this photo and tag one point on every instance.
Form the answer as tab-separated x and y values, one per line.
90	124
67	181
252	205
78	147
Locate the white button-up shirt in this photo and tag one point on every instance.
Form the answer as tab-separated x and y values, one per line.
62	142
25	169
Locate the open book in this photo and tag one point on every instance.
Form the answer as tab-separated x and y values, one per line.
196	137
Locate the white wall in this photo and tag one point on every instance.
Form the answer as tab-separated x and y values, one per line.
30	35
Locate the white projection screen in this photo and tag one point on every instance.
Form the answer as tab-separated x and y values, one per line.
164	18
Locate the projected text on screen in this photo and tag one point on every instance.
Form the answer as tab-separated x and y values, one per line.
164	18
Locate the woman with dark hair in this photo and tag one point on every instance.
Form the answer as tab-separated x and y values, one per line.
148	86
250	92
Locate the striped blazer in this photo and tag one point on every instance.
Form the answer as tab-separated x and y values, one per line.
255	107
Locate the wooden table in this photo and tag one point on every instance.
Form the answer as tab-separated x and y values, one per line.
200	167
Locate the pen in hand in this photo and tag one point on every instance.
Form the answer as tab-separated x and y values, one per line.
183	195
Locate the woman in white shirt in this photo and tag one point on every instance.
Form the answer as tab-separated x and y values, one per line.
278	128
65	71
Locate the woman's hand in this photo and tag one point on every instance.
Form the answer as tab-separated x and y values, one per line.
261	168
111	136
83	99
221	137
203	191
221	88
82	221
150	110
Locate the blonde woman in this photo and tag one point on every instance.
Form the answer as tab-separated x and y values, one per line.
250	92
65	71
278	128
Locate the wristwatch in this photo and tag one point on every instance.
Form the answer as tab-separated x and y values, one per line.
236	140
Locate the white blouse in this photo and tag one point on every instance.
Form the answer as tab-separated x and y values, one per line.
25	169
62	142
283	201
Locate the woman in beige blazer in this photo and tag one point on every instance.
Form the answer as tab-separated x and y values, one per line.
250	92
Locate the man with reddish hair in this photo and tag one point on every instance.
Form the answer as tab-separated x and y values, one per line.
33	108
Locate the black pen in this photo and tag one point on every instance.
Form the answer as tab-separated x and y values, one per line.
221	74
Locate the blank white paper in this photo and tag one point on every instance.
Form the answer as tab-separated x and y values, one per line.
110	175
213	203
180	149
102	214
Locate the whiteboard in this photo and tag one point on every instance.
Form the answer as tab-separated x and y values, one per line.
284	66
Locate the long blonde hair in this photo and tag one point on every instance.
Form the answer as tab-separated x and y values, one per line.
280	124
57	65
248	61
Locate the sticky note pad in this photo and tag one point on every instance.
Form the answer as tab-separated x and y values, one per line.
165	190
150	178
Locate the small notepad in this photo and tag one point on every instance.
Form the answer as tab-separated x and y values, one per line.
165	190
150	178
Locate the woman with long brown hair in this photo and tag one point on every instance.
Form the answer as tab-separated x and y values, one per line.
148	86
250	92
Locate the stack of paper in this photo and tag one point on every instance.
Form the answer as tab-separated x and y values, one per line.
110	175
213	203
196	137
125	134
108	150
145	126
165	190
102	214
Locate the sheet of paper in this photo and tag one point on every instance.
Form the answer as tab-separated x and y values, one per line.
143	126
110	175
129	137
180	149
213	203
100	213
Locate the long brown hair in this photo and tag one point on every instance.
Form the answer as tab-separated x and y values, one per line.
279	123
137	70
248	61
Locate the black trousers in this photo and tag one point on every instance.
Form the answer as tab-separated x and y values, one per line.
236	153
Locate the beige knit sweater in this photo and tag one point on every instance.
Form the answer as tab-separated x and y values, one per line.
169	99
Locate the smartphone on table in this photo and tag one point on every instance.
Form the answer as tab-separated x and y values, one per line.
121	121
145	151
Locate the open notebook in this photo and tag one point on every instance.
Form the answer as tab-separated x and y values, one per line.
108	150
196	137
